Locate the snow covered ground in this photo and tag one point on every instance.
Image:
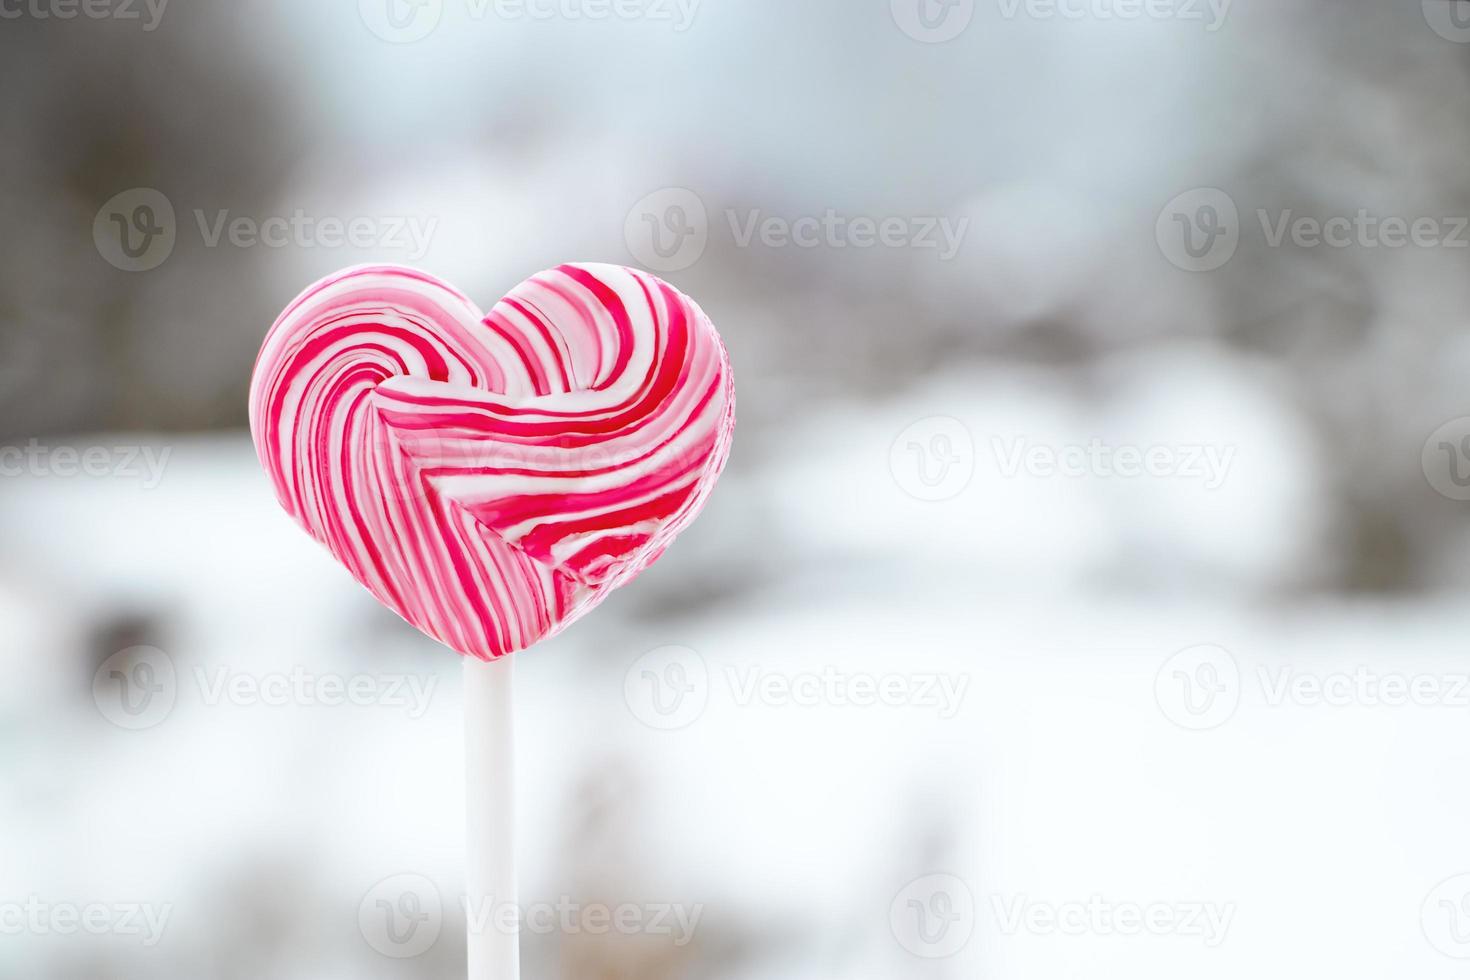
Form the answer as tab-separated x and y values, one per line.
1050	726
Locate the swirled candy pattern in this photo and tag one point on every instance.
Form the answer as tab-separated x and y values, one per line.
492	477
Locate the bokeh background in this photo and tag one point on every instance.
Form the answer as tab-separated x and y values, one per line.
1092	551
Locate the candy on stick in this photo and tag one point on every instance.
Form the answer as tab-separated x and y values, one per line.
492	477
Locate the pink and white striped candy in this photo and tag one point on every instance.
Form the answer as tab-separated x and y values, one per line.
491	478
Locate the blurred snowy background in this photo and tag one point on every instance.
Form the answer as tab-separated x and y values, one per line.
1084	594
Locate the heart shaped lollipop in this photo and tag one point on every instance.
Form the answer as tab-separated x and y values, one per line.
491	478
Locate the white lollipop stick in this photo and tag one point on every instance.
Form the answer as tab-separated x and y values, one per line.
490	880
